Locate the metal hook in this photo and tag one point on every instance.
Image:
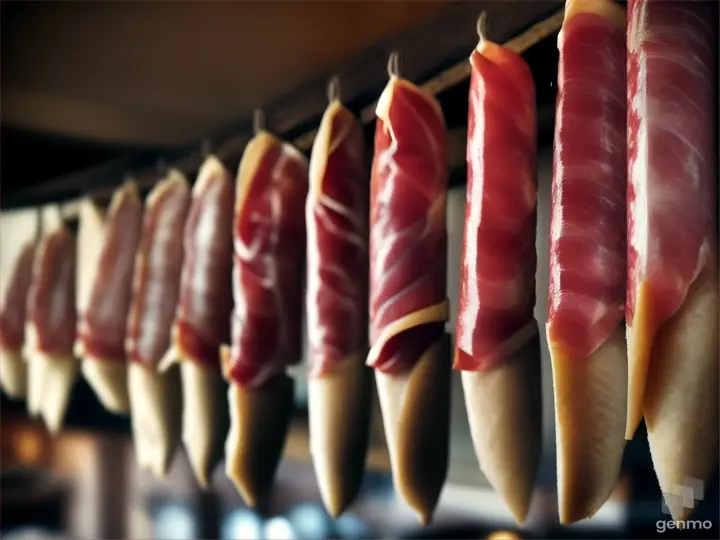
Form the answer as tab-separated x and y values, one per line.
394	64
258	121
205	148
38	223
482	26
334	89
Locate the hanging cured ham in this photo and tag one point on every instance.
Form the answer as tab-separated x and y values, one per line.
337	305
13	371
155	397
50	327
672	297
408	304
585	329
106	254
497	343
268	268
202	318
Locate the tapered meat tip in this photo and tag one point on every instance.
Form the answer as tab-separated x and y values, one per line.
416	416
590	403
259	422
204	418
339	408
680	405
155	401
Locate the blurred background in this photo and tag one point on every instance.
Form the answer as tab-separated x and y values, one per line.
109	87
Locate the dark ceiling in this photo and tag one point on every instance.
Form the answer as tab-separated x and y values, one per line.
28	158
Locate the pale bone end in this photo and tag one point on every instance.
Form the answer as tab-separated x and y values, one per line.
60	375
640	336
416	416
590	414
36	375
504	409
13	373
681	399
259	422
204	421
108	379
155	405
339	417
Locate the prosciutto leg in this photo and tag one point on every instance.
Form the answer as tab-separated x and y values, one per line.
202	319
408	303
337	299
155	401
50	327
13	372
672	304
585	329
268	264
497	345
107	247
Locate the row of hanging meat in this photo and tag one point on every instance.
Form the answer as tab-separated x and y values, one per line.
239	263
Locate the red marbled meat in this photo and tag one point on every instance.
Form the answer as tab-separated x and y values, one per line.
12	318
497	284
202	321
101	329
337	236
51	300
587	233
672	195
408	238
156	278
269	262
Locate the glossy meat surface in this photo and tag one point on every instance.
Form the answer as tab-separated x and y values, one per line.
587	233
269	262
202	321
12	318
337	236
672	194
156	277
101	328
408	237
51	300
497	284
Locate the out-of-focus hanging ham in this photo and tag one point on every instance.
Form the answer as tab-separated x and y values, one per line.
672	297
268	268
585	329
50	327
337	305
497	342
408	299
13	372
106	255
202	319
155	397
